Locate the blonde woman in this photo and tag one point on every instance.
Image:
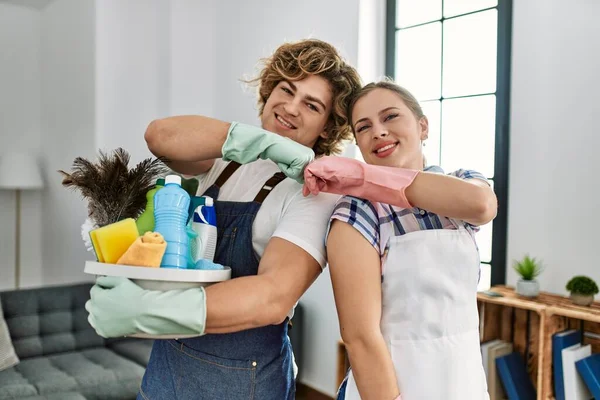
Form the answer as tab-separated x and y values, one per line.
402	257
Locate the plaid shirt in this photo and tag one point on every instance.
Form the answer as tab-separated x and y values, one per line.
379	222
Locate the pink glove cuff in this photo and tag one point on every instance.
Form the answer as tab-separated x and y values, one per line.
398	398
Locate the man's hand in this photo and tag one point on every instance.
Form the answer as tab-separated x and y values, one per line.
246	143
119	307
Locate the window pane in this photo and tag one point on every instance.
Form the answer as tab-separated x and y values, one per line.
418	60
431	148
484	241
457	7
413	12
470	44
485	277
468	134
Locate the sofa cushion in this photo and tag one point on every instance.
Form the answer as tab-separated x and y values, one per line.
94	373
49	320
8	357
57	396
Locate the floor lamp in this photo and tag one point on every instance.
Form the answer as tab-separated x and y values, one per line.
19	171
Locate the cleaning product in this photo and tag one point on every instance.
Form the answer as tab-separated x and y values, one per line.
204	224
196	201
193	244
111	241
145	222
170	215
190	185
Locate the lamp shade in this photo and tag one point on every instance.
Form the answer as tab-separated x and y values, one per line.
20	171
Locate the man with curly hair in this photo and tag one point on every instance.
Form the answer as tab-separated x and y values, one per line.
270	235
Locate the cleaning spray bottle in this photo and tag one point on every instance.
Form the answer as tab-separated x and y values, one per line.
204	223
145	222
171	205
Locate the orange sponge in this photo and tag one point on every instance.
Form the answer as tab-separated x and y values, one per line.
146	251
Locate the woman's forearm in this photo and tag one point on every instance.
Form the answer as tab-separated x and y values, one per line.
469	200
189	143
372	368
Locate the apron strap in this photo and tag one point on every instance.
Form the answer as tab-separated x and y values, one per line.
226	174
269	186
264	191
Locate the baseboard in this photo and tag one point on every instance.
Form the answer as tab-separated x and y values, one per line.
307	393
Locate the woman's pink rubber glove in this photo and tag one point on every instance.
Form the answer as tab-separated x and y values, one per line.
347	176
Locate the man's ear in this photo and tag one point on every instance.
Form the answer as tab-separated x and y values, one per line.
424	124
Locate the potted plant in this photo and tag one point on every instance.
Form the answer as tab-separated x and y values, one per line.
529	268
582	290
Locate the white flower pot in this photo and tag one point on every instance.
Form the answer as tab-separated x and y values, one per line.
582	299
528	288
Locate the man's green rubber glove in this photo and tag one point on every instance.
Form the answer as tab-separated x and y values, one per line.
119	307
246	143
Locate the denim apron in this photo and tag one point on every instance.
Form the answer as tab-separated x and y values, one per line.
251	364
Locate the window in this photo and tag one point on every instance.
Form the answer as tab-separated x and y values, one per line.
454	56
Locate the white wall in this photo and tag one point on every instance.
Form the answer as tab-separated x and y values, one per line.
132	52
193	61
20	130
554	187
153	59
67	28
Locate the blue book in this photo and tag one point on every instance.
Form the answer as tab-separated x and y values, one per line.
589	369
514	377
560	341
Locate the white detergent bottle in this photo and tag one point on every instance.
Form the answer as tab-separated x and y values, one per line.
204	223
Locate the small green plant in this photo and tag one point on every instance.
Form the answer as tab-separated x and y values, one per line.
529	268
582	285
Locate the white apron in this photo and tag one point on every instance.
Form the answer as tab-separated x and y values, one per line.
429	317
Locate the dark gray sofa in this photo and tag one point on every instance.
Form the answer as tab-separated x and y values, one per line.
62	357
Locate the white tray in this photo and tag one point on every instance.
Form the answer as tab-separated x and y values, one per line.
160	279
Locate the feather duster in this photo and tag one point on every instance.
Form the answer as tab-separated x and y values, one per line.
114	192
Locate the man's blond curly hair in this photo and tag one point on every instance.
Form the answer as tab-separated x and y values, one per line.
297	60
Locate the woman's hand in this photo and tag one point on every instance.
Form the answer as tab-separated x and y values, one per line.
347	176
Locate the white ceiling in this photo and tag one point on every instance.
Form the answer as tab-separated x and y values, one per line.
38	4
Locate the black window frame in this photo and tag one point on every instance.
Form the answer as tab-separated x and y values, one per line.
502	138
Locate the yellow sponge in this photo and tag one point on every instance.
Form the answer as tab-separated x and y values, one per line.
111	241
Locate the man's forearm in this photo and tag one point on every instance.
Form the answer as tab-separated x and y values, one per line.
242	303
187	138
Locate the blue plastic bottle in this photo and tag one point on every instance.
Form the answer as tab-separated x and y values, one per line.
171	205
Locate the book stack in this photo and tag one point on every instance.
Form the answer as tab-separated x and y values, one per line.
576	371
506	372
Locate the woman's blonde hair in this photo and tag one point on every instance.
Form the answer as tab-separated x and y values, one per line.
407	97
297	60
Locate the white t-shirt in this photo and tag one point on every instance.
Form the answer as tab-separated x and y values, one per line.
285	213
